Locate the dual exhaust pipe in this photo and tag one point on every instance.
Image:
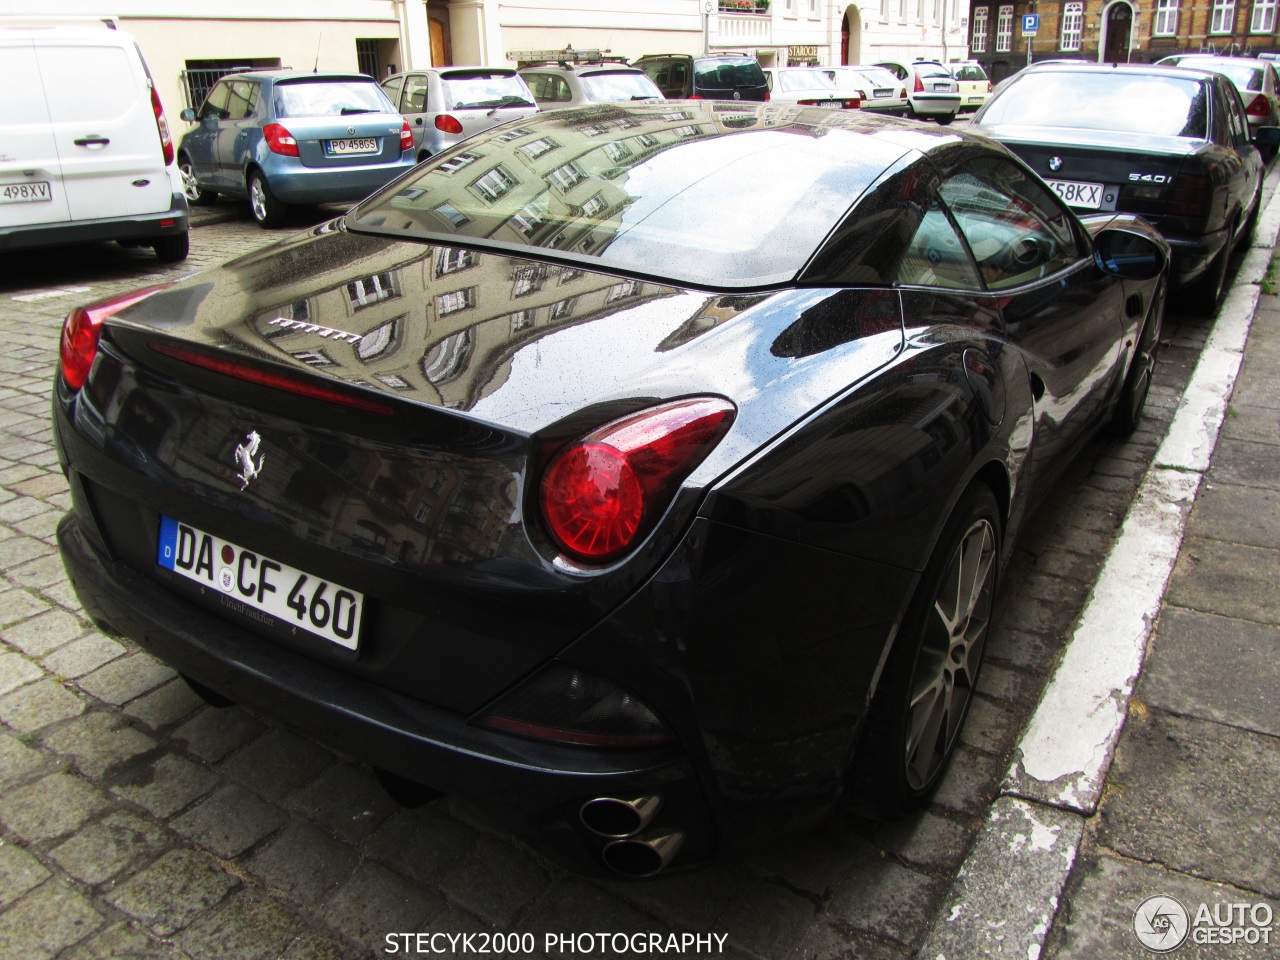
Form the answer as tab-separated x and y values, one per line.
632	850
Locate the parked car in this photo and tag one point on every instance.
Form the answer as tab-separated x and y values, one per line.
651	490
714	77
879	90
278	138
446	105
1167	143
1255	79
972	82
807	87
571	84
932	93
85	149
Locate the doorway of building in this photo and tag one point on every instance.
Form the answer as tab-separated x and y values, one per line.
851	36
1119	28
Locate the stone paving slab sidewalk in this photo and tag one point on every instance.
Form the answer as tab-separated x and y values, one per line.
1192	805
137	822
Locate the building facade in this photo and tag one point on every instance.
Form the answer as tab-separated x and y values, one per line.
1117	31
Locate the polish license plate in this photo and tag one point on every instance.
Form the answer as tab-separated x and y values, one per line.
974	100
941	87
26	192
360	145
881	94
259	587
1085	195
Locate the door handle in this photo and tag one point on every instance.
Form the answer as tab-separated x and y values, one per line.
91	141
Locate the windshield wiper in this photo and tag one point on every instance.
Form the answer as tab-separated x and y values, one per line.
348	110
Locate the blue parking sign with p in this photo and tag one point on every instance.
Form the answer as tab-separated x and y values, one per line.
1030	24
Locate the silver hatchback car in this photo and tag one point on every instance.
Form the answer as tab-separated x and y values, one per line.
932	93
568	84
445	105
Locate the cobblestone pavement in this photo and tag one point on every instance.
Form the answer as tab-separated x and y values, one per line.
137	822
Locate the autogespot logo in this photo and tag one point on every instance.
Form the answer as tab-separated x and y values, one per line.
1161	924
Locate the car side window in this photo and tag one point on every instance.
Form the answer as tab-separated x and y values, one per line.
415	94
1018	230
242	99
1234	110
215	105
392	89
559	90
936	256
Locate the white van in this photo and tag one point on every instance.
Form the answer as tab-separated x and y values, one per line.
85	151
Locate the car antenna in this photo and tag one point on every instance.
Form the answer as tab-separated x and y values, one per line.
316	66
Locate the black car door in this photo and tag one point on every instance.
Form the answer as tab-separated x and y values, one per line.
1062	313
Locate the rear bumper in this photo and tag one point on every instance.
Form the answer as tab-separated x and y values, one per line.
940	105
1192	255
143	227
533	788
294	183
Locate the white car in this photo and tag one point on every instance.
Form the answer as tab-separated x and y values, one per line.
86	153
806	87
973	83
880	90
931	90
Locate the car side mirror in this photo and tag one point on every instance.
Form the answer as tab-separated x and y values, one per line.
1268	137
188	115
1130	256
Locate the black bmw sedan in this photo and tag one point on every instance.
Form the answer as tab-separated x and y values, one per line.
644	472
1170	144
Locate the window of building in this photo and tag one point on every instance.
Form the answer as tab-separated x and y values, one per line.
617	151
455	300
1264	17
566	175
456	163
978	42
1004	28
366	291
536	148
1166	21
494	184
453	259
1223	18
1072	26
522	319
379	341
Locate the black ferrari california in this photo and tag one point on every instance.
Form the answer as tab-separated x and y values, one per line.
643	472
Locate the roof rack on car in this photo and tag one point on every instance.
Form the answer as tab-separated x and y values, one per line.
564	57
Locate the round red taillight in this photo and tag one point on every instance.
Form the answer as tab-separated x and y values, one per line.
603	492
448	124
82	330
80	335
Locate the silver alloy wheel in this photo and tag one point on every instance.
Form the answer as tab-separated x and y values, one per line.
257	199
947	667
189	185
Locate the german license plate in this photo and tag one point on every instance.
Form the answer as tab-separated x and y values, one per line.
360	145
1085	195
262	588
26	192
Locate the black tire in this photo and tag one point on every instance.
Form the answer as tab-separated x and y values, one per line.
196	194
1137	382
943	121
914	721
172	249
1207	293
267	210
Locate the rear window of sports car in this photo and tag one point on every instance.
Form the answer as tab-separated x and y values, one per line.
683	194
